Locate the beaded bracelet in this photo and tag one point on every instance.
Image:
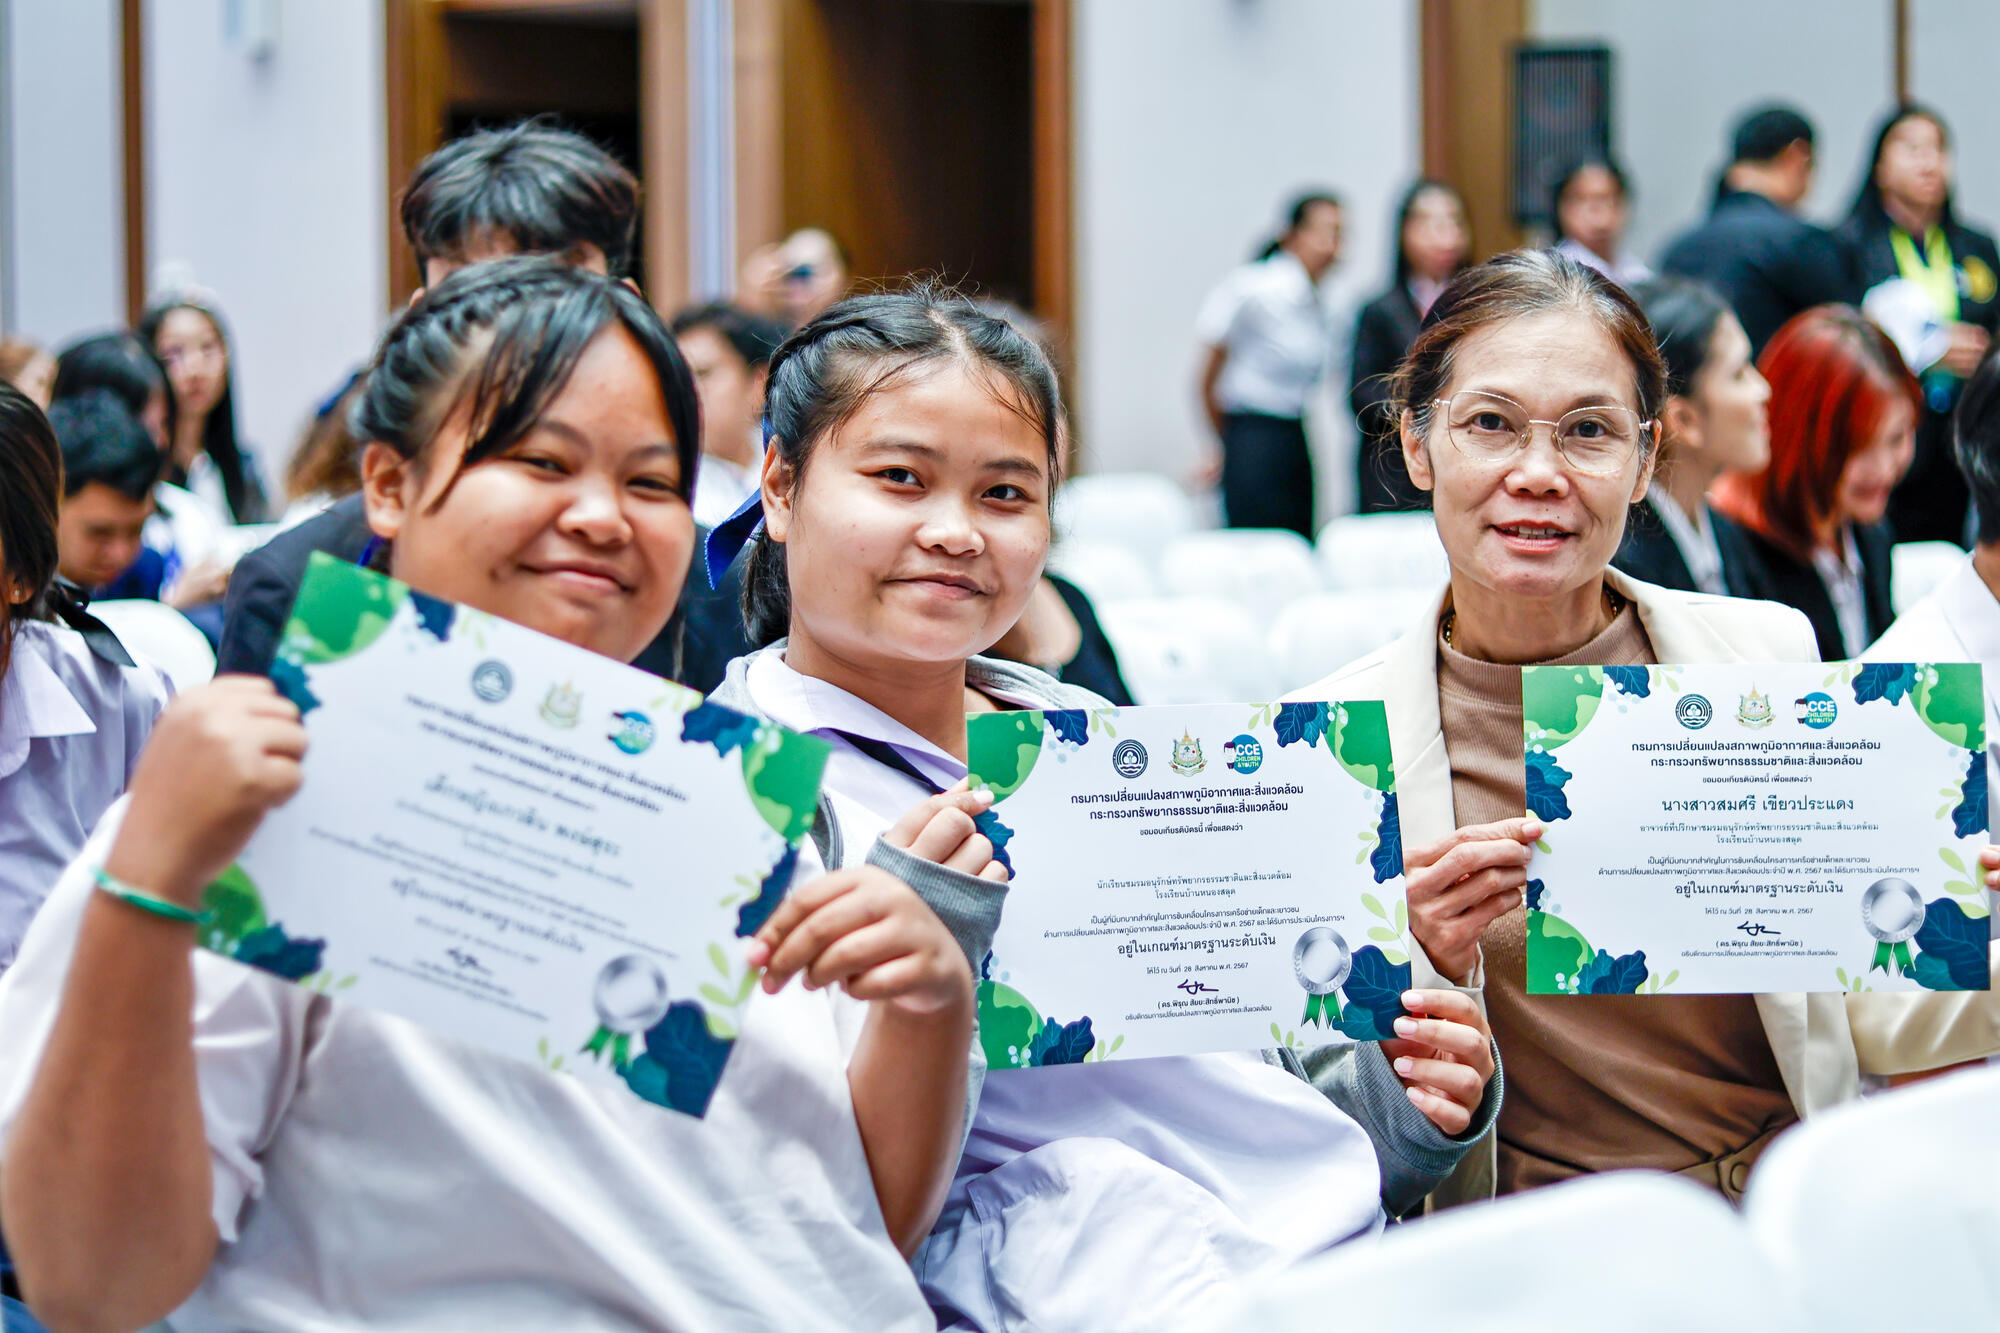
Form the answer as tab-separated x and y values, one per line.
146	902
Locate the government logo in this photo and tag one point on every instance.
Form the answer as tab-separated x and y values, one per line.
1244	754
492	681
1816	710
563	707
1753	710
1694	712
633	733
1129	759
1187	760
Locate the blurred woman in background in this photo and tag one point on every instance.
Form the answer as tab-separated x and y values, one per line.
1433	242
1902	226
185	332
1591	205
1843	429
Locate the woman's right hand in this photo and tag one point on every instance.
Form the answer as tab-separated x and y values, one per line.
1967	349
220	758
1459	884
940	830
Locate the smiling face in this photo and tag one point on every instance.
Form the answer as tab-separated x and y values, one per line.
1875	467
579	530
1529	525
919	526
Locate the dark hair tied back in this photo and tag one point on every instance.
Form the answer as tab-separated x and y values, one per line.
499	342
30	496
824	373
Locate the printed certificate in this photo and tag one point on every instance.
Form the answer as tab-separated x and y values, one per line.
515	842
1743	829
1188	879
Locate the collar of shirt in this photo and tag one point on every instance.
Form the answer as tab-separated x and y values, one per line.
34	703
813	706
1842	576
1695	540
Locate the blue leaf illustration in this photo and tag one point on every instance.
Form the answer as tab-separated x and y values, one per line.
1374	995
433	616
290	678
690	1055
276	952
1884	680
1969	817
1387	858
721	727
1930	972
1633	680
1956	940
986	966
997	833
647	1077
1069	724
1301	722
1535	891
751	916
1546	779
1061	1043
1605	975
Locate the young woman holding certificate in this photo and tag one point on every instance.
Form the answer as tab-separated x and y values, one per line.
1529	410
185	1135
915	443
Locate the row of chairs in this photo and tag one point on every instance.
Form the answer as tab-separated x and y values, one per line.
1887	1205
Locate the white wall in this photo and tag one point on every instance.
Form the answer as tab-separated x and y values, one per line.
1952	48
1195	120
1686	71
62	216
265	183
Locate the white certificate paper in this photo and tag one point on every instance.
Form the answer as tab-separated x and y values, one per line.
1745	829
1189	879
517	843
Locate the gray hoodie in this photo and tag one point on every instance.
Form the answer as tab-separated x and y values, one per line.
1414	1154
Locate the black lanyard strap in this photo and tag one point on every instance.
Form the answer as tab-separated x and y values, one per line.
890	757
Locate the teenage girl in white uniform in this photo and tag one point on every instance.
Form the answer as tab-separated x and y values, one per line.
184	1136
914	448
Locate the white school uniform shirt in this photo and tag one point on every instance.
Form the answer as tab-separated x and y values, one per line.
721	487
71	726
1695	541
1623	270
1100	1197
370	1175
1842	576
1278	328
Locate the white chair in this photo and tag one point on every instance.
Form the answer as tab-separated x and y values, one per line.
158	635
1261	570
1917	567
1106	571
1189	650
1382	551
1316	636
1141	511
1889	1203
1640	1250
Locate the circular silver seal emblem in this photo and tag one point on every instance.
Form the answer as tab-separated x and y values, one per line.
630	994
1321	961
1893	910
492	681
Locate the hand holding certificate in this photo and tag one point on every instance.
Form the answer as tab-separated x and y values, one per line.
515	842
1739	829
1204	878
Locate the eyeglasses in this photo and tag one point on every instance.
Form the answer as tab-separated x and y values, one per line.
1597	441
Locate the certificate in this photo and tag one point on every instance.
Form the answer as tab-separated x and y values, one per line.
1205	878
515	842
1745	829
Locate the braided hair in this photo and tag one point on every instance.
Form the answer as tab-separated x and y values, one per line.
823	374
499	341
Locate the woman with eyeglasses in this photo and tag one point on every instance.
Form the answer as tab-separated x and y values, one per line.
1529	413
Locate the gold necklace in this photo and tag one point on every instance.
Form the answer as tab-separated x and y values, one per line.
1614	605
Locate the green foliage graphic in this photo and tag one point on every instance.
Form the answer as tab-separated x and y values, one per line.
1001	750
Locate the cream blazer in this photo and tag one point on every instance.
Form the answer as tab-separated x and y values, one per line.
1823	1042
